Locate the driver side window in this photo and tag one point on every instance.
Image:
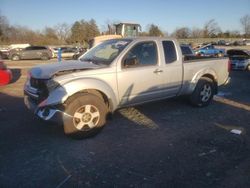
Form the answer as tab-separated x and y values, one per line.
142	54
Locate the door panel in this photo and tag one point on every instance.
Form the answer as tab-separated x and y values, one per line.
173	70
172	78
140	78
136	85
28	53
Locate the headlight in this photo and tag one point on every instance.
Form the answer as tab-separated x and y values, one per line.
52	84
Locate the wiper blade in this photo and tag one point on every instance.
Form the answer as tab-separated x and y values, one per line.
94	61
88	60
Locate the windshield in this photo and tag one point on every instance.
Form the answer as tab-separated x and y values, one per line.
105	52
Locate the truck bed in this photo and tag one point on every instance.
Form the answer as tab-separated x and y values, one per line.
195	67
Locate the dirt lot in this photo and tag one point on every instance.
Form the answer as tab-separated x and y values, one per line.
162	144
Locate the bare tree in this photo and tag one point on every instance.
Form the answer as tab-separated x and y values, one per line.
20	34
154	30
182	33
50	36
109	27
4	25
211	28
245	22
196	33
63	31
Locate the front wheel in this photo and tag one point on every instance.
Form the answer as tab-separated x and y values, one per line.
88	116
15	57
220	54
203	92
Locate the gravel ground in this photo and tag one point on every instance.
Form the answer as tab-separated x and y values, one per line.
161	144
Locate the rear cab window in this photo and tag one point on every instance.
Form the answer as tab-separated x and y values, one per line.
169	51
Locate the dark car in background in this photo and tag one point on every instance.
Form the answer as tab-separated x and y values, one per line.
4	54
68	52
240	59
80	51
31	52
238	43
187	52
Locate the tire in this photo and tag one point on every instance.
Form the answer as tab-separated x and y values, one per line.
220	54
203	92
15	57
248	68
88	116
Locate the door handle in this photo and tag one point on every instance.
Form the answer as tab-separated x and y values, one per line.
158	71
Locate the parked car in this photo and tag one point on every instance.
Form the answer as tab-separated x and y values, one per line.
187	52
4	53
31	52
210	50
13	46
221	43
5	74
68	52
186	49
54	52
80	52
238	43
240	59
115	74
246	42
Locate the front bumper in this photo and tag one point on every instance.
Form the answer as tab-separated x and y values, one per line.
47	113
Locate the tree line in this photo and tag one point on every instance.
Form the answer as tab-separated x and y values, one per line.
80	32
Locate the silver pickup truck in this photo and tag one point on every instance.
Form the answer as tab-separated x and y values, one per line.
115	74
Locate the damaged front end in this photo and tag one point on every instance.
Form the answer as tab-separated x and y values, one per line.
44	98
44	95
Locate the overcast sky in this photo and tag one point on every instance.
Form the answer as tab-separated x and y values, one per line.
168	14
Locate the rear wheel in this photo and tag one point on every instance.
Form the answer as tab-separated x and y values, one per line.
88	116
203	93
15	57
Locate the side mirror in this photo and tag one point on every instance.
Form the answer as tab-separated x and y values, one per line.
131	61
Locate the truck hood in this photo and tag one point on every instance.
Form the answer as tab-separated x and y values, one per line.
49	70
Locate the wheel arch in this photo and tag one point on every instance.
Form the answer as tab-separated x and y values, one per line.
206	73
215	82
95	92
87	85
15	54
